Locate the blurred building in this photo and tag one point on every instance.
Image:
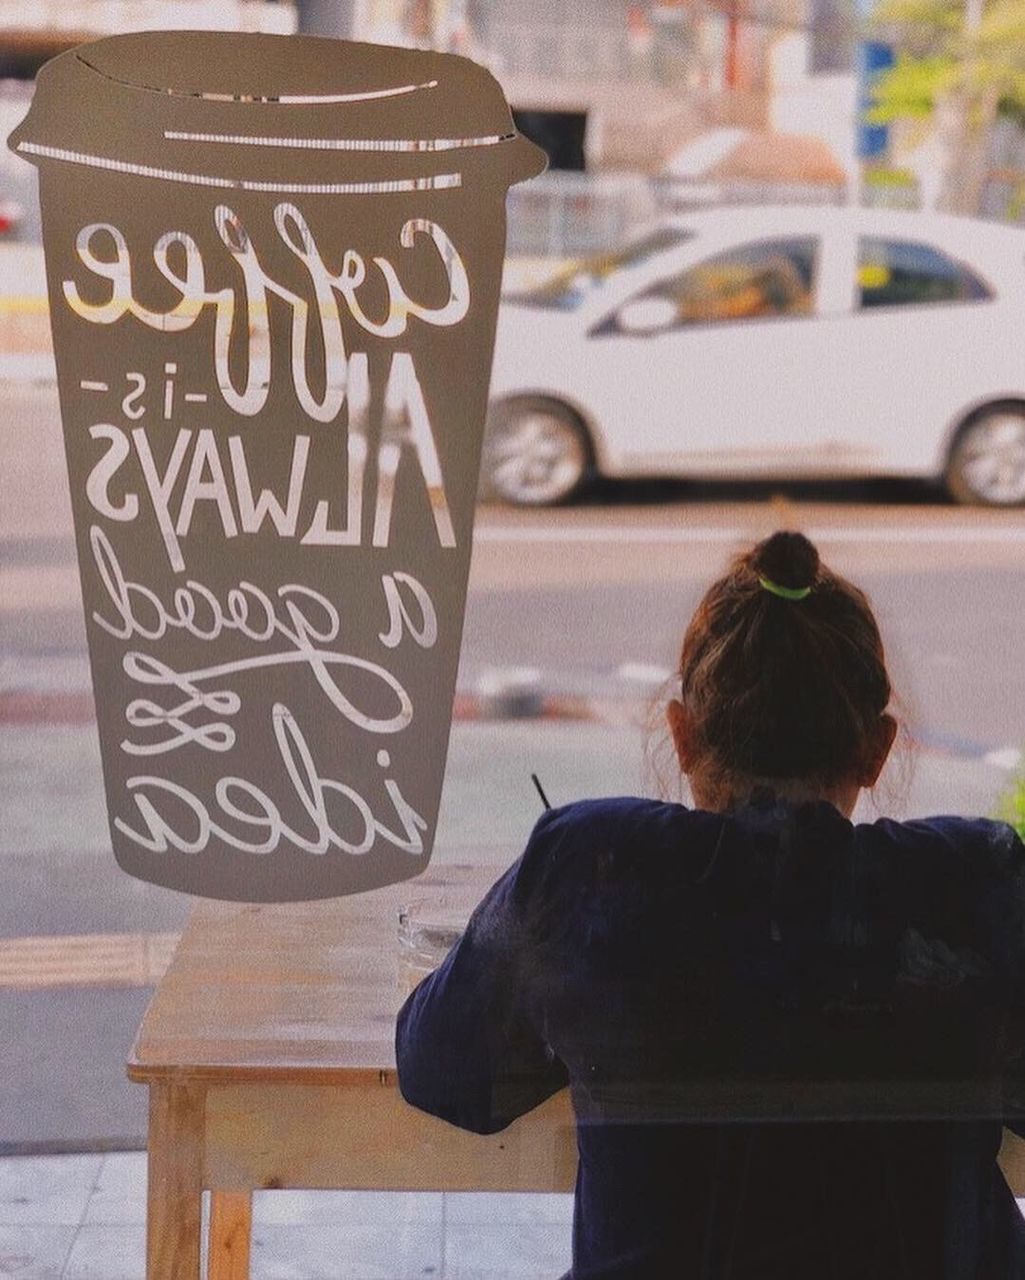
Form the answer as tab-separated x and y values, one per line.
107	17
626	98
607	84
715	101
640	106
33	31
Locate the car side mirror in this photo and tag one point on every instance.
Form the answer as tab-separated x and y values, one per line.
644	317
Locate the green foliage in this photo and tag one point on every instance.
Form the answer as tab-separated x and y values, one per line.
1014	110
1011	805
885	176
909	89
938	56
925	17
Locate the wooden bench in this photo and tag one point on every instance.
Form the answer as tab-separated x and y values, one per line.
268	1052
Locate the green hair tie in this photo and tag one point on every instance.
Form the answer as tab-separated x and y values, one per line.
785	593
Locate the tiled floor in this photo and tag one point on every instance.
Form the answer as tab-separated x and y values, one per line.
81	1217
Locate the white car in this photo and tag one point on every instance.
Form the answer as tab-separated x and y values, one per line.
788	342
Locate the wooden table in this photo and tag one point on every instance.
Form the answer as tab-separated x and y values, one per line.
268	1049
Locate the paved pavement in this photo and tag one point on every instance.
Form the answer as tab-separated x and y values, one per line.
82	1217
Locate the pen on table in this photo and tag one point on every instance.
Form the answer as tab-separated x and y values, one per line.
540	790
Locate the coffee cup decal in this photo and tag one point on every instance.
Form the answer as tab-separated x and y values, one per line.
273	267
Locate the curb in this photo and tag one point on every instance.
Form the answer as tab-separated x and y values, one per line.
24	707
35	707
501	704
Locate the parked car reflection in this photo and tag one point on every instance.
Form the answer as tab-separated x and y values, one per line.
796	342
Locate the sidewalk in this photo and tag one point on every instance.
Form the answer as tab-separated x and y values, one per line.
82	1217
26	349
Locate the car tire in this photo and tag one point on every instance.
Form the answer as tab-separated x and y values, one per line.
987	461
537	453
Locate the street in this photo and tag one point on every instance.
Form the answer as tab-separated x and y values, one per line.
586	604
579	593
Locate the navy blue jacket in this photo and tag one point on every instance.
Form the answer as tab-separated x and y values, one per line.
791	1041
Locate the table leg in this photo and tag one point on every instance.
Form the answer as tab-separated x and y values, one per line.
175	1193
231	1217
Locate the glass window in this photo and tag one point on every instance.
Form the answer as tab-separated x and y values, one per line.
895	273
570	287
763	278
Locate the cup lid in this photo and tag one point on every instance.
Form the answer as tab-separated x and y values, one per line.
244	107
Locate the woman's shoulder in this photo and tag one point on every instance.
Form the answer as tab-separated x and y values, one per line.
628	815
617	816
970	840
606	837
606	808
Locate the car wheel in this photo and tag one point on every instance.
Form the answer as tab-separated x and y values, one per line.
987	462
536	453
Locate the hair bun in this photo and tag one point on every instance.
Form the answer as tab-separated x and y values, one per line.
787	558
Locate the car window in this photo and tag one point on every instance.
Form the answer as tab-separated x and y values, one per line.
579	280
894	273
752	281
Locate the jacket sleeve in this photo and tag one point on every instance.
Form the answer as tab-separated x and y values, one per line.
1000	921
467	1042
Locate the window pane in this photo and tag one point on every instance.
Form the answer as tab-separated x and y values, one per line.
767	278
575	284
899	272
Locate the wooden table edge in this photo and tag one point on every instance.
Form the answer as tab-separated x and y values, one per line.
227	1073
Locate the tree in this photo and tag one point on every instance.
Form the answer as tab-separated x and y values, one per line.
959	63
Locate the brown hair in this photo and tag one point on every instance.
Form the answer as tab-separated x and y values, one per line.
779	687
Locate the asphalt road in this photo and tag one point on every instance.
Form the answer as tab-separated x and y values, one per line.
591	601
577	593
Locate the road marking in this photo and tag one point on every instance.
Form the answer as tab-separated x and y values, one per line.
86	960
643	673
510	683
87	384
33	304
1005	758
676	535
